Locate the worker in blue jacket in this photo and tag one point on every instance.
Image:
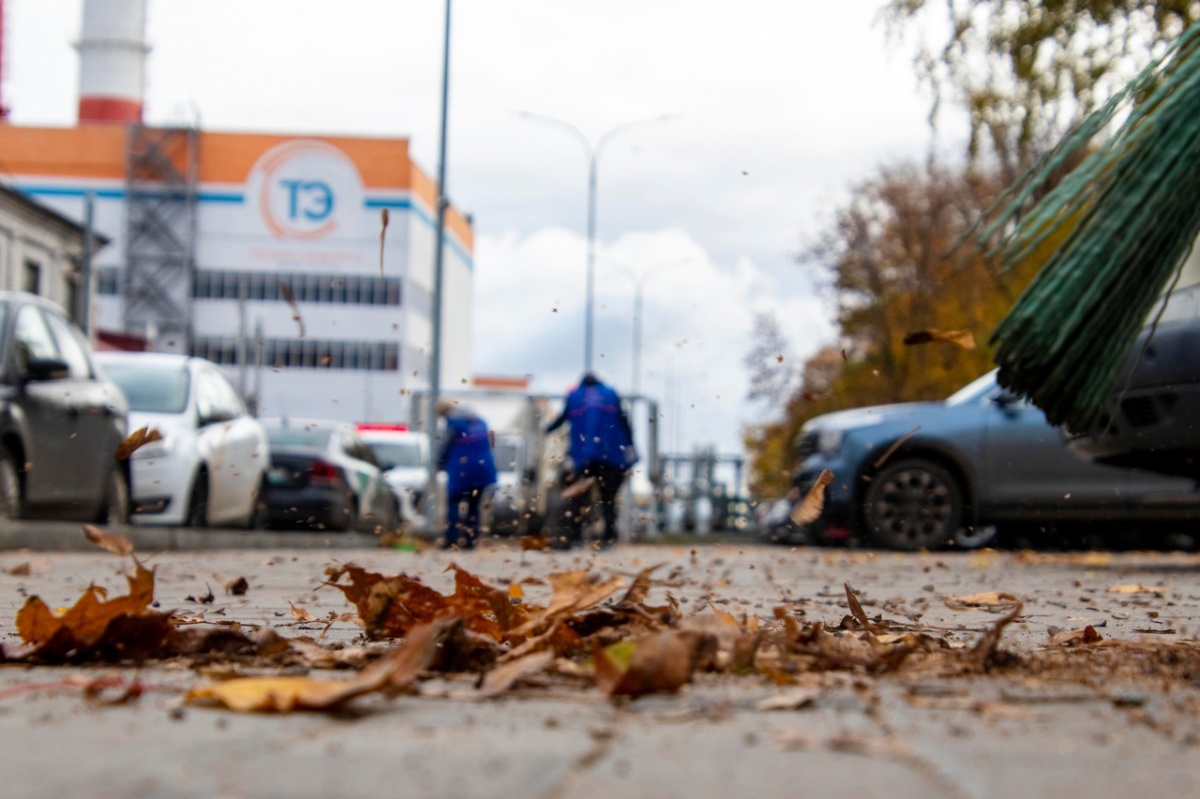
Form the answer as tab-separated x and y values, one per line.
601	448
465	456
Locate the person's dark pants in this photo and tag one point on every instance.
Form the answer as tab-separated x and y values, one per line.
609	479
462	528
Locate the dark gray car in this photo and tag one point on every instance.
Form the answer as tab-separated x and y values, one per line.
922	475
60	419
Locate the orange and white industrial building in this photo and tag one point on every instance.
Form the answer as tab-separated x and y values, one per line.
301	264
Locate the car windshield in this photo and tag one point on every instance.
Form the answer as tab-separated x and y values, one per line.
393	454
974	390
314	437
152	389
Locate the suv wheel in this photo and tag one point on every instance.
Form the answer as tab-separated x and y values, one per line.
912	504
10	488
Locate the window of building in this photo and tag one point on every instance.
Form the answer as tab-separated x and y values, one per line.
325	289
292	353
31	279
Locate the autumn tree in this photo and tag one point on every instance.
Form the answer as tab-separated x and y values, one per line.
1023	70
888	260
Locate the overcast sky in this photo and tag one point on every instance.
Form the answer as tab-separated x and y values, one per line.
779	106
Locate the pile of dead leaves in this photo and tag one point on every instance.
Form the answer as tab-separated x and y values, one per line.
482	640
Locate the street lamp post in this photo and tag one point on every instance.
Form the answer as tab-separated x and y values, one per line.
593	155
639	284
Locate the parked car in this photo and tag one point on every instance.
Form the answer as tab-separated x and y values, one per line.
61	419
403	455
324	476
1152	419
209	466
922	475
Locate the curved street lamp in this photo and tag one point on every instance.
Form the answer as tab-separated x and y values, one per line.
593	155
639	284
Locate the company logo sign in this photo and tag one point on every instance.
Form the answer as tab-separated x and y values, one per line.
304	189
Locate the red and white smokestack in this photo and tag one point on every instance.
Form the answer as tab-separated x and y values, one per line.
112	61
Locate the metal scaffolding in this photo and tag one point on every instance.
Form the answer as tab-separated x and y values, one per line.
161	173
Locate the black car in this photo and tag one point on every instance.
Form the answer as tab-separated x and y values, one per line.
61	420
324	476
1152	419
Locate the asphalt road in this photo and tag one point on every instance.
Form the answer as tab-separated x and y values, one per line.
1014	734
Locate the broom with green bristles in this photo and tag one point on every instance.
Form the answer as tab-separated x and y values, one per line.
1126	218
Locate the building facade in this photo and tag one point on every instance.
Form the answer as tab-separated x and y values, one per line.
303	265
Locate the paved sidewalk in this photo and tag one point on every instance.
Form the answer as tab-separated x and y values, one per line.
1011	736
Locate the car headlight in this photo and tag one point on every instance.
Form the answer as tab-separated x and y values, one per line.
829	441
155	449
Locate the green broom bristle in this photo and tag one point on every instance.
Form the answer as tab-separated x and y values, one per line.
1130	215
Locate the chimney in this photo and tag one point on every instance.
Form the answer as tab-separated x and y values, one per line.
112	61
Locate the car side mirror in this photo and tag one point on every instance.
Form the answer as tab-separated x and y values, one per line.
39	369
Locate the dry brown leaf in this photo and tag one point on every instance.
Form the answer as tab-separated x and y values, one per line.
136	440
856	609
978	656
290	298
809	509
660	663
116	544
959	338
1087	635
302	615
237	587
640	589
20	570
505	676
1134	589
794	699
573	591
985	600
87	619
392	672
383	223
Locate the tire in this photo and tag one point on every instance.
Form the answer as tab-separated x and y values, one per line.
197	516
912	504
347	521
10	488
116	499
258	511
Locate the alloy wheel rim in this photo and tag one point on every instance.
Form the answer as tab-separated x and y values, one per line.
914	505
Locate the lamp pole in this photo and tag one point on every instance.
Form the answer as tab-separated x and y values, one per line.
592	153
435	350
639	284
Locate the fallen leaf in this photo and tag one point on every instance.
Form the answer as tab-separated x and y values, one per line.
1087	635
237	587
116	544
794	699
959	338
302	615
87	619
394	671
136	440
660	663
505	676
20	570
1134	589
809	509
856	609
984	600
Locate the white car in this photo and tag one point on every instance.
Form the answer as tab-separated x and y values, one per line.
403	455
209	468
